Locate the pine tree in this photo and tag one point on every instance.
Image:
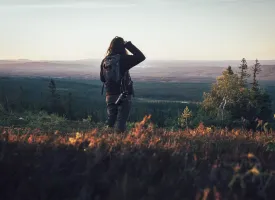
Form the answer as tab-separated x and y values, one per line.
183	120
52	87
229	70
55	105
53	100
5	100
259	99
243	72
256	69
69	106
21	97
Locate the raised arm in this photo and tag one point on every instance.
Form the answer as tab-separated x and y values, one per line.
130	61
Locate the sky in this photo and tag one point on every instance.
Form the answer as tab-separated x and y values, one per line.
162	29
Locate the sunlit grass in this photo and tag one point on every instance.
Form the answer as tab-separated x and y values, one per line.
218	162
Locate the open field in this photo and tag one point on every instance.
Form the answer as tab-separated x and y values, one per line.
146	163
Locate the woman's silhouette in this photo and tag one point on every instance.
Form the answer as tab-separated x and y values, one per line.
118	57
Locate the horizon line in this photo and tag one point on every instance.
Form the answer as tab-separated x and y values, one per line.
84	59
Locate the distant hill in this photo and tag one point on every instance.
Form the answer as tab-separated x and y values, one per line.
46	69
148	70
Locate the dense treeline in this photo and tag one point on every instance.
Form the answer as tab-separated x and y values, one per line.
224	104
82	99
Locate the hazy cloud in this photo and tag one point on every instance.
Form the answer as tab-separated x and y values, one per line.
66	3
58	2
209	1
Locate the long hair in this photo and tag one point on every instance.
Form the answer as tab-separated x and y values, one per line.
117	47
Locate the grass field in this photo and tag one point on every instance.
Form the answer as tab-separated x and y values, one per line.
145	163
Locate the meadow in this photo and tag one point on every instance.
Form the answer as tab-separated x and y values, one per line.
146	163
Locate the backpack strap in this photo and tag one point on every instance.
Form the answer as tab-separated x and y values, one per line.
130	81
123	88
102	89
124	84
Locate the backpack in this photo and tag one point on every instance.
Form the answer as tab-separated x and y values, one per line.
111	69
111	72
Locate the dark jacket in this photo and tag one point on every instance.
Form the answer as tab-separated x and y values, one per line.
126	63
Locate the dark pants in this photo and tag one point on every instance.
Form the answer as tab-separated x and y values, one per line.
118	113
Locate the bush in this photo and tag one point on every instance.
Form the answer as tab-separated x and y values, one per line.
146	163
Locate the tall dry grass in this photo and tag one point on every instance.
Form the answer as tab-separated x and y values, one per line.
145	163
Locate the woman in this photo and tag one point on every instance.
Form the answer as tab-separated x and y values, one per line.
118	51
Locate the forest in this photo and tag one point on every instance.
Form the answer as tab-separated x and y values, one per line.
76	99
